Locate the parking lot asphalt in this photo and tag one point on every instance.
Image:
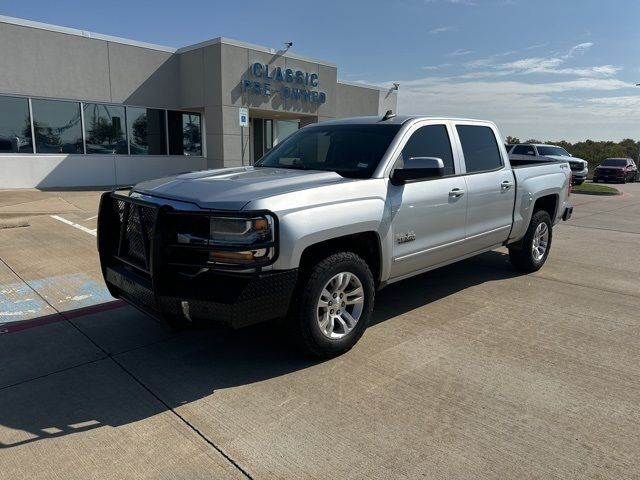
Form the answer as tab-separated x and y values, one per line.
470	371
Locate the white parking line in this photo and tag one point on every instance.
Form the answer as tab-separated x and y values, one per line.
91	218
75	225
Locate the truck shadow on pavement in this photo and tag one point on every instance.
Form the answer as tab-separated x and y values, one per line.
120	388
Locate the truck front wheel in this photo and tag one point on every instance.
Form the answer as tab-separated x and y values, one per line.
531	254
334	304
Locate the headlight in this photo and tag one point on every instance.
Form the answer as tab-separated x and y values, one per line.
248	241
244	231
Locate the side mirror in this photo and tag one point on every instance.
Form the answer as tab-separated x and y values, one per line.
418	168
571	154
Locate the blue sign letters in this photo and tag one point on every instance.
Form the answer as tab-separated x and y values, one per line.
295	88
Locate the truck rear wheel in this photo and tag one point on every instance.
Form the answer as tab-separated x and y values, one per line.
532	252
334	305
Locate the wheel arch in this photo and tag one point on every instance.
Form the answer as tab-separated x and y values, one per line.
366	244
548	203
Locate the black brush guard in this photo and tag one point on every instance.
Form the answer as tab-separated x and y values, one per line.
142	264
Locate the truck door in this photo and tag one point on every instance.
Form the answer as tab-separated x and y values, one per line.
428	216
490	187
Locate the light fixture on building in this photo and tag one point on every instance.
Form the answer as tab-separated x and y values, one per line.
287	45
396	86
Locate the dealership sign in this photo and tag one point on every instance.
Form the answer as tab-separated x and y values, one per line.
291	84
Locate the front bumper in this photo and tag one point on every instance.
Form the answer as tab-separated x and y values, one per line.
136	264
579	175
609	176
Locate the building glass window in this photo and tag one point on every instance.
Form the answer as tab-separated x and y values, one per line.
185	133
57	126
147	132
15	125
105	129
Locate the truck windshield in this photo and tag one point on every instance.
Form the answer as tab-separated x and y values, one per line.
353	151
614	162
553	151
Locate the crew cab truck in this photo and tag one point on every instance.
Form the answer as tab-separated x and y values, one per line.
530	152
326	218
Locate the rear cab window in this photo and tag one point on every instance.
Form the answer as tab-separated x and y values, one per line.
479	148
524	150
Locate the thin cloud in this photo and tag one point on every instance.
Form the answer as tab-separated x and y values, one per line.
578	49
459	52
554	65
444	29
436	67
454	2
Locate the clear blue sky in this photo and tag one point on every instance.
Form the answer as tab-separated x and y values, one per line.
546	69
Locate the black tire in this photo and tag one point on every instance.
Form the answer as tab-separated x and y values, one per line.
303	321
521	256
579	182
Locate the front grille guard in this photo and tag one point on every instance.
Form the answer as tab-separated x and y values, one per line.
135	232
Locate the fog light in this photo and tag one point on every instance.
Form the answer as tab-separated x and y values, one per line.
237	257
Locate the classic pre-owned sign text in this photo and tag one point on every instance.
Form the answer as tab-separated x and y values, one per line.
290	84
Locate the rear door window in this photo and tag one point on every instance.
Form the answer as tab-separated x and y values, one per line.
480	149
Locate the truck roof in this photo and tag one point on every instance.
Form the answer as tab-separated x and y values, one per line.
537	144
395	120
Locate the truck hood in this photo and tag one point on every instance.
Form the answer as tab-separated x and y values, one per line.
233	188
564	158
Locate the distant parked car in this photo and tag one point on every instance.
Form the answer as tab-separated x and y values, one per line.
541	152
621	170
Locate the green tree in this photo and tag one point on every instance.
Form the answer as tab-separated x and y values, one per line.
511	139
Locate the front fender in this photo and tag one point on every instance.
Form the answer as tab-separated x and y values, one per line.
302	228
313	215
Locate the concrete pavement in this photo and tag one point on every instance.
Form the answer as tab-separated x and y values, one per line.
470	371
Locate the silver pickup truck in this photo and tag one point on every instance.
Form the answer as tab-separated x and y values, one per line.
330	215
533	152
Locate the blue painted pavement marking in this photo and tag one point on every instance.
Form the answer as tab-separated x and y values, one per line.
64	292
19	302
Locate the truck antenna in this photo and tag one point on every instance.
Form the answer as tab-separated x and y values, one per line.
388	115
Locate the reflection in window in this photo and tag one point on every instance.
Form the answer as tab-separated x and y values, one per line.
104	129
185	135
15	125
57	126
147	132
284	128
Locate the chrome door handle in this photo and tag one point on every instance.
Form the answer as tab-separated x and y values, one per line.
456	192
506	185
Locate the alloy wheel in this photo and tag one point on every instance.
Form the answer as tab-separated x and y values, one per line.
340	305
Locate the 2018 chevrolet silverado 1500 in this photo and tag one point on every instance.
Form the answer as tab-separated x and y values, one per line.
333	213
530	152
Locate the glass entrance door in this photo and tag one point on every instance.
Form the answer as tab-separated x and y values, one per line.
267	133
